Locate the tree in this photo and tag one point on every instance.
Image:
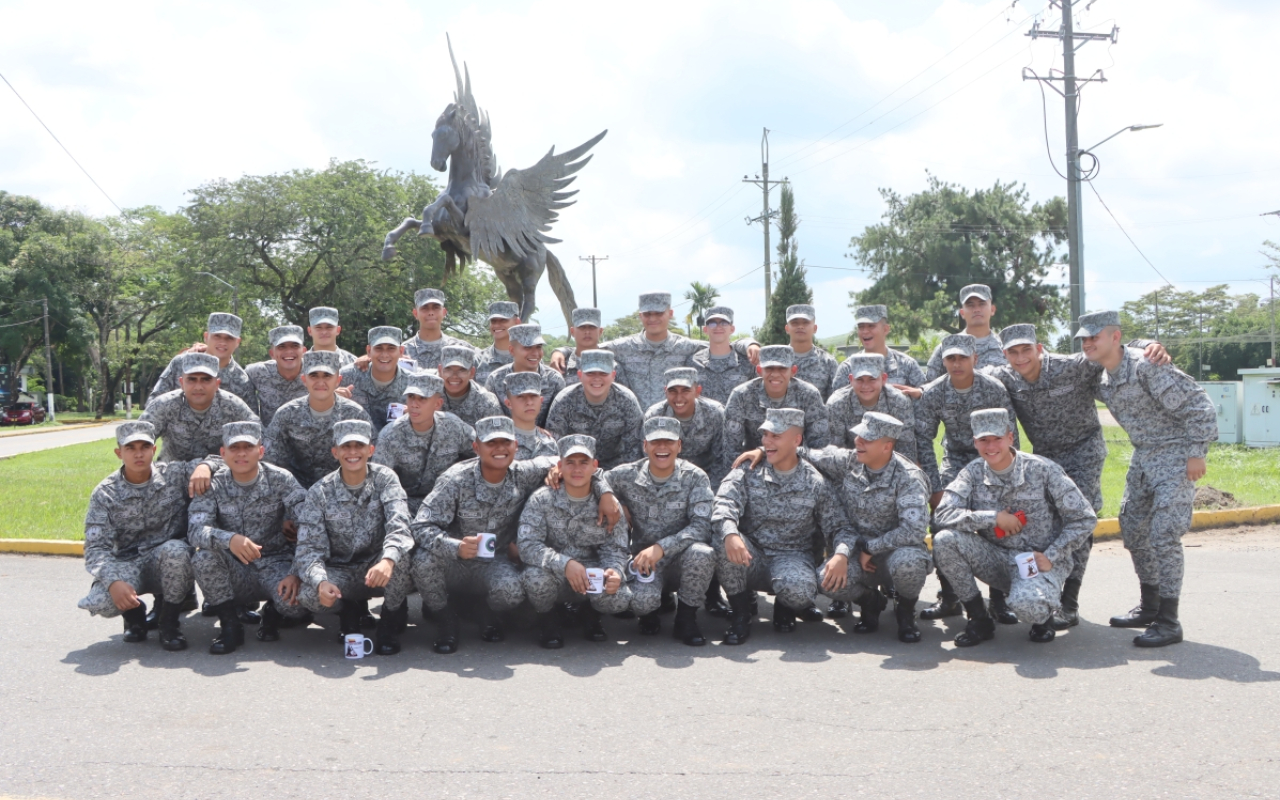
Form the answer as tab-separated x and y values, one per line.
702	297
791	289
1227	332
934	243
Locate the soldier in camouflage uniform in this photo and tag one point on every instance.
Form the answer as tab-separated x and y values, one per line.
427	347
776	387
379	389
977	310
701	423
464	397
814	365
354	541
524	405
526	353
221	339
300	434
279	380
323	328
904	374
133	538
585	332
984	497
561	536
245	527
721	369
1171	422
869	390
764	525
670	503
601	408
502	315
424	442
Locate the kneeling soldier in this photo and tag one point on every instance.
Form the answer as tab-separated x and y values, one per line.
246	527
353	539
982	536
670	501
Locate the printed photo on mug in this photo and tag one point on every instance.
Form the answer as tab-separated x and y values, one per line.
395	411
1027	565
488	545
595	580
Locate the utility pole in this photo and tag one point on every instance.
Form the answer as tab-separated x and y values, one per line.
48	362
593	260
1070	91
766	214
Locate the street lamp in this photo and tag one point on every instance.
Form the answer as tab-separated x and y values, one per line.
235	293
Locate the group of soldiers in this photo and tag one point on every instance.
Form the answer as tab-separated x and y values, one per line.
638	476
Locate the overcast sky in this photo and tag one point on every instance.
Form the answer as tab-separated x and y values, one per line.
155	99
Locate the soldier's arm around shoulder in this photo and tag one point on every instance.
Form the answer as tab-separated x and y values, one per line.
954	512
833	462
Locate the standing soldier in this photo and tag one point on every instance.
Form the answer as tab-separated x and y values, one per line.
428	345
354	541
600	408
585	333
502	315
380	386
720	368
221	339
904	374
775	388
526	355
524	405
1171	422
424	442
300	435
279	380
977	310
983	537
133	540
464	397
869	390
814	365
246	527
323	328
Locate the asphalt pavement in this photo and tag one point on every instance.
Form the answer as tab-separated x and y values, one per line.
55	437
819	713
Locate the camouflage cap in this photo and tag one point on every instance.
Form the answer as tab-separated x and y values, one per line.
424	384
801	311
681	376
503	309
875	426
322	315
577	443
719	312
780	420
229	324
1092	324
870	314
596	361
321	361
385	334
975	290
777	355
866	364
455	355
490	428
246	431
527	335
655	301
352	430
661	428
1018	334
284	334
424	296
206	363
959	344
586	317
989	422
518	383
136	431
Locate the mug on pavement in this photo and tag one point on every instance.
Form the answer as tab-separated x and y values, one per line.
640	576
395	411
595	580
488	545
355	645
1027	565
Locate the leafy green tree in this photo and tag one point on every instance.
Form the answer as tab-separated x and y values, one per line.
701	296
1227	332
791	289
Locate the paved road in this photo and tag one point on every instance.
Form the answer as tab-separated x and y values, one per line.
820	713
16	445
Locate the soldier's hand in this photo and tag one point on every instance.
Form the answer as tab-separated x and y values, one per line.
470	547
751	457
913	392
244	549
1008	523
610	511
1043	563
753	354
648	558
934	499
736	550
612	581
379	575
864	560
288	588
553	477
557	361
343	391
1156	354
290	530
123	595
328	593
835	574
1196	468
576	574
198	347
199	483
362	363
513	552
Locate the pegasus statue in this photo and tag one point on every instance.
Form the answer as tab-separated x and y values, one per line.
499	219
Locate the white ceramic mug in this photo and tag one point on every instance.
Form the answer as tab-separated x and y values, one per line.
488	545
640	576
395	411
355	645
1027	565
595	580
408	365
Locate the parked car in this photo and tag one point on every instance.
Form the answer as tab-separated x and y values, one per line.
23	414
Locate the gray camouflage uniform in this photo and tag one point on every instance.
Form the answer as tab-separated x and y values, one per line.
554	530
990	350
818	369
745	413
901	368
489	359
189	434
720	376
942	404
428	354
552	384
535	444
642	364
271	389
372	398
845	410
418	459
702	437
300	441
477	403
615	423
233	379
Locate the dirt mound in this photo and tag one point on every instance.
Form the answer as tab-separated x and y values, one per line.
1211	498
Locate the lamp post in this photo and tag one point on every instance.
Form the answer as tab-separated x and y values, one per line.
235	293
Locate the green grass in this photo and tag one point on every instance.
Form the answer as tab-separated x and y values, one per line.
45	495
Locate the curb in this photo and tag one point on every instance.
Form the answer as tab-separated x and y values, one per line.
64	426
1106	529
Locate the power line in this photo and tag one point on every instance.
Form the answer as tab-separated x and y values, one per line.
24	322
1126	233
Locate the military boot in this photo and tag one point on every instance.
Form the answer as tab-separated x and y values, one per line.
839	609
269	630
784	618
686	626
740	622
1043	632
1165	629
386	638
153	616
1145	612
1069	615
230	631
171	637
715	605
367	620
810	613
491	626
135	624
248	614
651	623
948	604
981	626
446	630
549	635
871	604
905	611
999	608
348	619
592	627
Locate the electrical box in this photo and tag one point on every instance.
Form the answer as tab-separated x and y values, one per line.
1227	397
1261	411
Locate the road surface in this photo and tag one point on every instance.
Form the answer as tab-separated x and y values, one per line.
55	437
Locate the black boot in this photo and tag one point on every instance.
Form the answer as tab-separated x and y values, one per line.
248	615
269	630
1166	629
948	604
668	603
1145	613
153	616
367	620
386	638
208	609
348	619
740	622
784	618
171	637
999	609
592	627
446	630
549	635
651	623
981	626
295	622
839	609
1069	615
230	631
871	604
491	628
135	624
1043	632
686	626
715	605
810	614
905	611
188	603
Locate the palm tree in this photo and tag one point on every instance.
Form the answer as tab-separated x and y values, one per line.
702	296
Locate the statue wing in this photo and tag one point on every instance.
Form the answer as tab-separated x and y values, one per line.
525	203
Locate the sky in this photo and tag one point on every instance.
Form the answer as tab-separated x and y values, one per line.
155	99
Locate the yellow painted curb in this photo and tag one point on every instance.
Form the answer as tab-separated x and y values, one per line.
48	547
